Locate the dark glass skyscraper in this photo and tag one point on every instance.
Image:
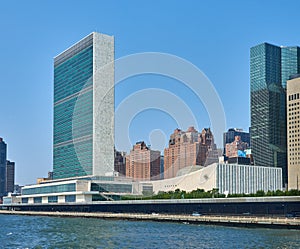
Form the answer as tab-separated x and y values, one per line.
2	168
270	67
290	63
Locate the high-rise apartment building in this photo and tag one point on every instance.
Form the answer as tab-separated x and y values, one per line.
143	163
3	148
270	67
10	176
187	148
83	142
293	132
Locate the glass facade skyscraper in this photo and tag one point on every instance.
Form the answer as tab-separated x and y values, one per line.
83	137
290	63
270	67
3	149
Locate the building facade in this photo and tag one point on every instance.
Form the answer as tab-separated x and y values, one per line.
10	176
293	132
290	63
229	136
188	148
3	149
269	68
143	163
227	178
120	162
83	142
236	148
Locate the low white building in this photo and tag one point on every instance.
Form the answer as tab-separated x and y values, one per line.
228	178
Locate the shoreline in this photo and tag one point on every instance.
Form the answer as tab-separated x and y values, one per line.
223	220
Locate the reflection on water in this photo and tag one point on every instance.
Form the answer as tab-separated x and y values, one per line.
52	232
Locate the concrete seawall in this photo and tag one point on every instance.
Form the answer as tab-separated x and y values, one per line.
237	221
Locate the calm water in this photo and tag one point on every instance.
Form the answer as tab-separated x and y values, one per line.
52	232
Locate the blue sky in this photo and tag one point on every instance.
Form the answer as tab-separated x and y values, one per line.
213	35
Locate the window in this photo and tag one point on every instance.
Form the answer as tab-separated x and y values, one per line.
37	199
52	199
24	200
70	198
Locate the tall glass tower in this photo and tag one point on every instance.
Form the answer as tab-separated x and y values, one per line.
2	168
83	142
290	62
270	67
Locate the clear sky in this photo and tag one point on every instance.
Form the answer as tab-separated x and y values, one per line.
215	36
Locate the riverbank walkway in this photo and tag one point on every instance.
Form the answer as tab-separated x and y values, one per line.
241	221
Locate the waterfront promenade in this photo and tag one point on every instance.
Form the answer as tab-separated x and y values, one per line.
239	221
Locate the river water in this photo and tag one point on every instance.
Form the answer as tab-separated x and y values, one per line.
55	232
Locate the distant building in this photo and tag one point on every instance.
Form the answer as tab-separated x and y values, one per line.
213	155
270	68
50	175
229	137
293	132
18	189
239	160
120	162
162	158
188	148
10	176
227	178
236	148
143	163
3	149
83	136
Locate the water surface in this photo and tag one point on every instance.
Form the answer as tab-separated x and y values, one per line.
55	232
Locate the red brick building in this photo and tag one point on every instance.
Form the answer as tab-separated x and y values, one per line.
143	163
187	148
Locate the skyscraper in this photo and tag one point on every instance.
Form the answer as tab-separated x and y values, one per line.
10	176
290	63
270	67
83	142
293	132
3	148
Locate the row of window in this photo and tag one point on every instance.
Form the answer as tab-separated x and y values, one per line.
70	187
294	104
293	131
294	96
294	122
296	135
294	117
293	127
293	113
51	199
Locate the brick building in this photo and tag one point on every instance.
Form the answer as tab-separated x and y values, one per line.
187	148
143	163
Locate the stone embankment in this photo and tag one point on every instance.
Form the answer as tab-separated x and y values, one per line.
241	221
